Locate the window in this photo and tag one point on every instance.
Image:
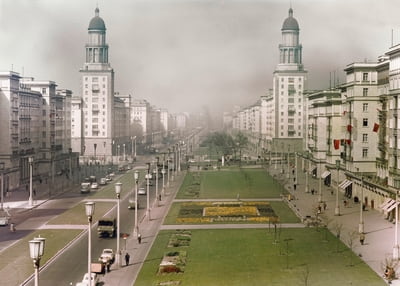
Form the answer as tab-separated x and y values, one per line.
365	152
365	76
282	113
365	138
365	107
365	122
95	79
365	91
291	80
44	90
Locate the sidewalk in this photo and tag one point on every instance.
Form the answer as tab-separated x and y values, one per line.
126	275
379	233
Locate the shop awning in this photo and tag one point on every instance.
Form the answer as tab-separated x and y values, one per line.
382	205
325	174
343	185
392	206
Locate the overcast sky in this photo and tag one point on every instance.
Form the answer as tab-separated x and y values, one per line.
184	54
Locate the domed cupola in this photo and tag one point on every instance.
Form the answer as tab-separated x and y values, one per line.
97	23
290	23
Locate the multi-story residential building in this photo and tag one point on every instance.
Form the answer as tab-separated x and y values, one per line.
289	82
324	131
141	118
33	124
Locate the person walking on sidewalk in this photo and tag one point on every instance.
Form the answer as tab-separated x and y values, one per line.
362	238
139	238
127	256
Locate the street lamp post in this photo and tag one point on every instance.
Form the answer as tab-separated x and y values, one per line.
30	160
156	169
36	250
89	210
124	156
2	184
320	184
307	168
163	179
118	187
337	208
361	224
168	167
288	165
118	154
70	165
148	191
136	228
396	242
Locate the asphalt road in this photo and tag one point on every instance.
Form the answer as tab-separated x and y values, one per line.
71	265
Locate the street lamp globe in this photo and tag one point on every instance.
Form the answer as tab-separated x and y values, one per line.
34	249
118	188
41	245
136	175
89	209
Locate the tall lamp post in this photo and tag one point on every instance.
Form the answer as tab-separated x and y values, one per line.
30	160
396	242
168	159
288	165
320	183
163	179
118	187
361	224
2	184
337	208
136	228
89	209
148	190
36	250
307	168
157	159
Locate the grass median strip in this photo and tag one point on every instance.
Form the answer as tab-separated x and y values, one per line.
15	263
257	257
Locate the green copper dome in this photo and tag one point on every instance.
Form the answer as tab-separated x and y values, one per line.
97	23
290	23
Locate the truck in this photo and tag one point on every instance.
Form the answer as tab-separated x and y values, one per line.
107	227
85	187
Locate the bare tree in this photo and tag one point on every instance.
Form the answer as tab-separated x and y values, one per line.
305	274
389	268
352	236
337	228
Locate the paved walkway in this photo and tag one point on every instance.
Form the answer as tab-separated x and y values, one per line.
149	231
379	232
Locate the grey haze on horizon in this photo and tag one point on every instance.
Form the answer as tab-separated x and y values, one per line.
185	54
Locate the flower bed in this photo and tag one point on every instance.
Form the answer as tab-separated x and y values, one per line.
231	211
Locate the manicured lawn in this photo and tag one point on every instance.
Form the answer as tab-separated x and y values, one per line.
229	183
281	209
15	262
250	257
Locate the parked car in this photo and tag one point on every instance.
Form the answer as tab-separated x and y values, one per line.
94	185
107	256
94	280
103	181
142	191
85	188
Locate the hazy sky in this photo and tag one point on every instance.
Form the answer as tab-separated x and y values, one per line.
185	54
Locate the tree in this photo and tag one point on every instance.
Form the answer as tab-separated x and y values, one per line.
351	238
337	227
241	142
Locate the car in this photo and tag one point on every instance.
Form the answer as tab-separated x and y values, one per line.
103	181
94	185
94	279
132	204
107	256
108	179
142	191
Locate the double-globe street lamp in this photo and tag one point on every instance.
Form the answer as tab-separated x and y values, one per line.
118	187
136	228
89	210
337	208
148	191
36	250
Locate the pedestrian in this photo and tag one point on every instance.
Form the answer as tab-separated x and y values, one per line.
362	238
294	186
319	209
325	205
34	192
139	238
345	203
127	256
159	197
312	191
